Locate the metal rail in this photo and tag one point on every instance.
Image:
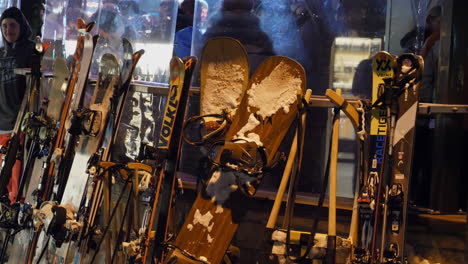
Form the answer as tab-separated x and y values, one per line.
316	100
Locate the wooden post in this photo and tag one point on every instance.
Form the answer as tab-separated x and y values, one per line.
331	240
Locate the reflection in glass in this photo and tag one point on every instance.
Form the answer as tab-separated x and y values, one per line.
147	24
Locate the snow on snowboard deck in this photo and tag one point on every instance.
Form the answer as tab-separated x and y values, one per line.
224	76
265	114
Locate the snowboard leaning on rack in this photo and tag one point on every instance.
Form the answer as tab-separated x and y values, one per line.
87	127
263	117
405	92
95	206
224	78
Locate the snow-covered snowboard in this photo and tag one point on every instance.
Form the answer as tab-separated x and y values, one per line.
262	120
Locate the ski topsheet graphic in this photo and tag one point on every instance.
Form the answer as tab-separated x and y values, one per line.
370	196
263	118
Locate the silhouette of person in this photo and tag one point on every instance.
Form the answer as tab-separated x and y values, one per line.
16	52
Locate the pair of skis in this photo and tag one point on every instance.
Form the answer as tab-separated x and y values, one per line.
384	191
157	191
244	121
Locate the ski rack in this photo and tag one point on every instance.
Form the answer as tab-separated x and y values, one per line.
320	101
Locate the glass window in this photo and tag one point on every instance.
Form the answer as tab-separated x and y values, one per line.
147	24
334	41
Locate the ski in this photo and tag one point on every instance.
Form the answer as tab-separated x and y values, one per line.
405	91
157	193
268	108
370	185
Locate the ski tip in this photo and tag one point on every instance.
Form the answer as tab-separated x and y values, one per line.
90	26
125	41
190	58
80	23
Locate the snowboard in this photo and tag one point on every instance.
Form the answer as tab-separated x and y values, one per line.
263	117
99	188
89	125
407	80
224	77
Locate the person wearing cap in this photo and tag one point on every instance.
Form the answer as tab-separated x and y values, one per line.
17	52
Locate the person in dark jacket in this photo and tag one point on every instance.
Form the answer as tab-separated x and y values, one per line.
16	52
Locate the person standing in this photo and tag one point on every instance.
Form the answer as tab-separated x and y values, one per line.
17	52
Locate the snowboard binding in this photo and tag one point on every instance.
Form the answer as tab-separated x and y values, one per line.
210	128
243	157
86	122
59	221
